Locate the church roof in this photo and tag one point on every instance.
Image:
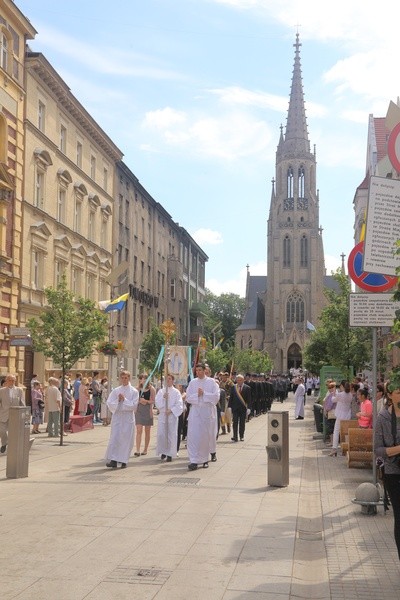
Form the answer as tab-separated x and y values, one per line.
296	135
254	317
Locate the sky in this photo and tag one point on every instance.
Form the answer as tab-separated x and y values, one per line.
194	92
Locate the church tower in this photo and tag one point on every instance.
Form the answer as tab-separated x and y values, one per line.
295	281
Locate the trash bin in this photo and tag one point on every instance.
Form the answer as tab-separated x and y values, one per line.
319	417
278	449
18	442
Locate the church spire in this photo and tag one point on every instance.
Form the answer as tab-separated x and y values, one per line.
296	136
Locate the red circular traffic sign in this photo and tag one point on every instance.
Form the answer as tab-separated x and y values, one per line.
371	282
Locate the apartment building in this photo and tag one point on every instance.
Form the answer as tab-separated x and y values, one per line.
15	30
164	269
68	200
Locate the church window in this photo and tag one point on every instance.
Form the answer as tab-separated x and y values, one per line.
286	251
301	182
250	344
290	183
295	308
304	251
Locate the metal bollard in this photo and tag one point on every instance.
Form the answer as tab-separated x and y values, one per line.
18	442
278	449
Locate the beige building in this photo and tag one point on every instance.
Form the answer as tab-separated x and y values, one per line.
15	30
165	269
68	201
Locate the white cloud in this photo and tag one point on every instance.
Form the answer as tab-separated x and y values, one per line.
114	62
332	263
207	236
228	136
238	284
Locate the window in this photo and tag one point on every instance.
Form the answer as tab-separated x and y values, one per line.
304	252
63	139
290	183
105	178
141	273
295	308
162	284
4	51
93	167
141	318
173	288
158	282
79	151
41	116
61	201
135	269
103	233
134	324
59	270
39	189
91	228
76	281
301	183
286	252
37	269
78	215
90	286
149	277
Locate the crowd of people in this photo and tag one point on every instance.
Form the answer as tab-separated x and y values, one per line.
209	406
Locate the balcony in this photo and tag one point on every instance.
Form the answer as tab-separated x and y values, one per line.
198	309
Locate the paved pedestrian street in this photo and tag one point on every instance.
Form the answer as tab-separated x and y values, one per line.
76	530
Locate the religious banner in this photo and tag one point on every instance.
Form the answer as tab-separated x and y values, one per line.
178	364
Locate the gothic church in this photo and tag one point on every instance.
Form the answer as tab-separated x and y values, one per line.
283	306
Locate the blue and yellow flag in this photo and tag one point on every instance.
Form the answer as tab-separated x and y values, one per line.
117	303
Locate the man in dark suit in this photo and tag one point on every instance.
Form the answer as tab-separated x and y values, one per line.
240	399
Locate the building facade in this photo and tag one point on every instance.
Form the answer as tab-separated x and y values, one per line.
159	264
15	30
282	307
68	202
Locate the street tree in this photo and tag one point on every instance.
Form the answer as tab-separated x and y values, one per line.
251	361
150	348
67	331
224	315
334	342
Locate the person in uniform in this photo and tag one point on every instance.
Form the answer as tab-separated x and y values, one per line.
122	403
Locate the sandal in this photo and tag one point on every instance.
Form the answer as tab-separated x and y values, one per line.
136	454
144	453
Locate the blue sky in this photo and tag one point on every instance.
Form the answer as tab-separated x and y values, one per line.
194	92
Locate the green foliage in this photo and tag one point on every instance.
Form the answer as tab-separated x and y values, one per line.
334	342
67	330
227	309
252	361
150	348
217	359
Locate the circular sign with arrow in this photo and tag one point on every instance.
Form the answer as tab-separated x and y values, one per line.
371	282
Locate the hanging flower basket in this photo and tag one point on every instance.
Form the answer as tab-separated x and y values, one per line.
108	348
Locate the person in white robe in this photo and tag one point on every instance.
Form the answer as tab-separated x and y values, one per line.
299	399
202	394
170	405
122	403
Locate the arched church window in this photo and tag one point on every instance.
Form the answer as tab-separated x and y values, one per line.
250	344
286	251
301	184
295	308
304	251
290	183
